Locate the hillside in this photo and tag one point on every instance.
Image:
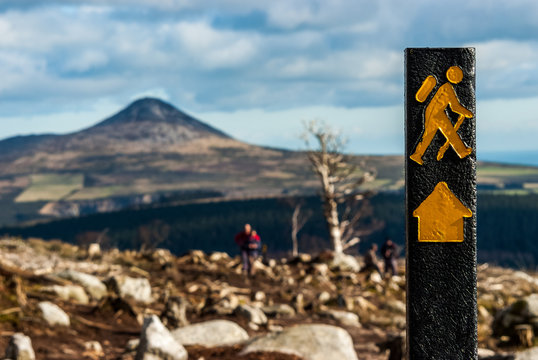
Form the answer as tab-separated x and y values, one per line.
149	151
152	152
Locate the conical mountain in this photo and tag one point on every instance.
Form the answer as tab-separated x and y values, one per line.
152	110
147	124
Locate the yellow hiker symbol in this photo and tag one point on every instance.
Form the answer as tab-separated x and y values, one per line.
437	119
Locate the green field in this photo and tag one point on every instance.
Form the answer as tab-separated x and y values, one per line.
506	171
51	187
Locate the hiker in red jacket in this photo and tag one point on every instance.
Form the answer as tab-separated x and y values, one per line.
246	240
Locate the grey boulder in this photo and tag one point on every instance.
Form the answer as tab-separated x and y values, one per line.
90	283
253	314
138	289
210	333
311	342
53	314
20	348
156	342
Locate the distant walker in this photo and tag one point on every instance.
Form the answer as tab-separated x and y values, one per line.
249	244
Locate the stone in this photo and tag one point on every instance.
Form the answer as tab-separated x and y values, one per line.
138	289
485	353
69	292
321	269
363	304
395	306
278	310
156	342
20	348
53	314
93	286
324	297
252	314
162	256
530	354
211	333
310	341
530	306
132	345
93	349
343	317
344	262
298	302
174	314
376	278
259	296
94	250
522	311
218	256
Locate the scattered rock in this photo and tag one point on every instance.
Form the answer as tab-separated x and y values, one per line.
298	302
138	289
93	286
210	333
343	317
53	314
259	296
20	348
132	345
363	304
156	342
301	258
69	292
94	250
311	342
531	354
218	256
321	269
485	353
224	306
175	312
395	306
279	310
93	349
324	297
522	311
376	278
252	314
344	262
163	257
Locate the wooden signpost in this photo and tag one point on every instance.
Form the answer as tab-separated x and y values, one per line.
441	203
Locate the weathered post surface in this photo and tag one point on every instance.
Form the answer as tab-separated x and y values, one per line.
441	203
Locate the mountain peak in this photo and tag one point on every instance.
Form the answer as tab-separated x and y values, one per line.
154	110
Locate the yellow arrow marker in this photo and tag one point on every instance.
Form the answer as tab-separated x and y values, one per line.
440	216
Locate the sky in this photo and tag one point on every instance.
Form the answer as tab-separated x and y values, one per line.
258	69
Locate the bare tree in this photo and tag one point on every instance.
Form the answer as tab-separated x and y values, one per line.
342	194
299	218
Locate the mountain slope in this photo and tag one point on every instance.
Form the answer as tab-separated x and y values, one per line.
151	121
150	149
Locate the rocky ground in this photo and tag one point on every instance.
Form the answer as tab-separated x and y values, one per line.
58	301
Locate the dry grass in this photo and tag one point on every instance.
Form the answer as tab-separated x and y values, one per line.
51	187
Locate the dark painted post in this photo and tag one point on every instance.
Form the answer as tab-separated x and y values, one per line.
441	203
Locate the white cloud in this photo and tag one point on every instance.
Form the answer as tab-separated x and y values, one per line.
86	60
215	49
269	55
